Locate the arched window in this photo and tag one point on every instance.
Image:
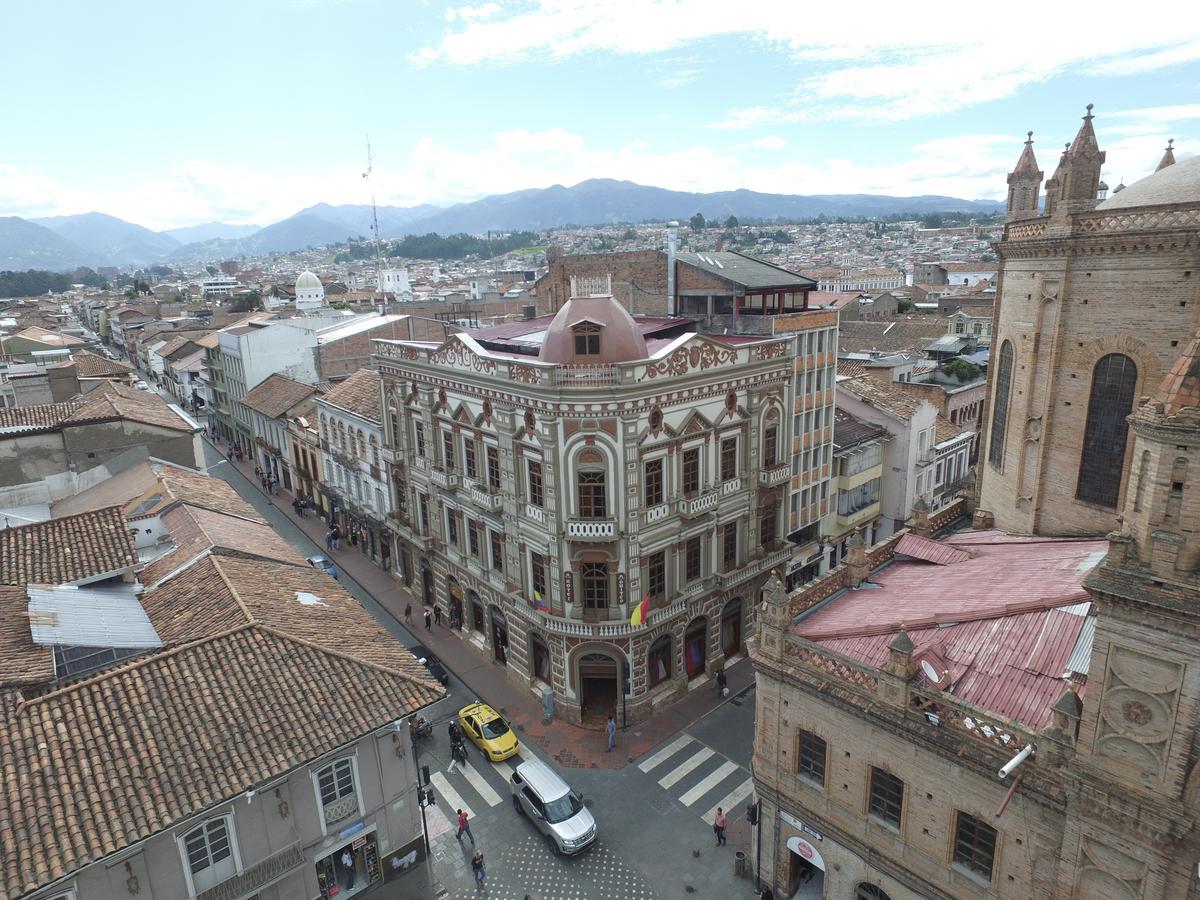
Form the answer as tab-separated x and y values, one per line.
866	891
592	498
1103	455
658	660
1000	409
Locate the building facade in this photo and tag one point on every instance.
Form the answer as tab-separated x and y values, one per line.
1094	297
552	474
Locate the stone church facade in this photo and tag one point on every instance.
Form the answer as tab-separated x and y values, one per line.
1096	294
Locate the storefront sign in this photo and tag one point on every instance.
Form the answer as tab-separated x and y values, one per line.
621	588
800	826
806	851
352	829
359	842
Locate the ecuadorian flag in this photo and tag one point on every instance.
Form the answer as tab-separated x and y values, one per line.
640	613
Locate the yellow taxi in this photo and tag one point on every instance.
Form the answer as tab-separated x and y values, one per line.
488	731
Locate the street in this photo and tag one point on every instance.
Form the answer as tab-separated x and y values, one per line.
654	818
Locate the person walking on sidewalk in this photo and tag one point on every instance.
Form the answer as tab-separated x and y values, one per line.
719	826
458	756
464	827
437	615
428	620
329	541
229	453
478	869
336	534
408	618
722	683
610	730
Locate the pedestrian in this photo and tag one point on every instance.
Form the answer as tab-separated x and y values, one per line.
300	508
464	827
262	482
296	506
329	541
428	620
610	730
337	537
767	894
722	683
477	868
437	615
229	454
408	618
719	826
458	755
455	733
258	472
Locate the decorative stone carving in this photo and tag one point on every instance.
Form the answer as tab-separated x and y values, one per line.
1105	871
1137	710
700	355
458	355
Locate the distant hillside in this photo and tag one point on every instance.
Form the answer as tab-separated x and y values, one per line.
24	245
211	231
602	200
111	241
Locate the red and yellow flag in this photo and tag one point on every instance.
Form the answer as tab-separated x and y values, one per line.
640	613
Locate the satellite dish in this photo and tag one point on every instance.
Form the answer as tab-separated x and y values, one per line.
930	671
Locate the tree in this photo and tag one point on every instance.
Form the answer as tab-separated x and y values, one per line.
697	222
731	222
960	369
211	270
251	301
628	234
932	220
905	306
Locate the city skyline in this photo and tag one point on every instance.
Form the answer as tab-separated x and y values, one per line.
249	114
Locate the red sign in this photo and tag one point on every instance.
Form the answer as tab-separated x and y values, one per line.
361	842
805	849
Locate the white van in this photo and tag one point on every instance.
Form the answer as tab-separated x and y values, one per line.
558	812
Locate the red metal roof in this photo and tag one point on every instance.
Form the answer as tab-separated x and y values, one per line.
937	552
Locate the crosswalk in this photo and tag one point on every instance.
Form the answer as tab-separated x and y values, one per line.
476	785
698	773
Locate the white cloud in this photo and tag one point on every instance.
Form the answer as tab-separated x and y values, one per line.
887	64
770	142
679	79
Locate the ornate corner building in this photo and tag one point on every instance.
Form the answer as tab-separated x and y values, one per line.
552	473
1095	296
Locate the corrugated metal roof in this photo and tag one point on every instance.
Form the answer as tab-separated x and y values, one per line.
90	617
937	552
1081	657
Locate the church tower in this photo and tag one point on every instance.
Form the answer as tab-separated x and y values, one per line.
1024	182
1138	735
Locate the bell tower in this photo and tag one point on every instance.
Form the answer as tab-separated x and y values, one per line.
1024	183
1081	183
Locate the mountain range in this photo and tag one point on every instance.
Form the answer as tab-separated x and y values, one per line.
95	239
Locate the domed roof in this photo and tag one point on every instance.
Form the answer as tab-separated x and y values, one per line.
308	281
1179	183
619	338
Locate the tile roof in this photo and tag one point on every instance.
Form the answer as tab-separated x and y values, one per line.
67	550
1006	619
42	417
46	336
882	396
92	365
22	662
207	721
276	394
849	431
851	368
945	430
116	401
358	394
890	336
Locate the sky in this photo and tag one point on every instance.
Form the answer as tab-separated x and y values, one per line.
176	112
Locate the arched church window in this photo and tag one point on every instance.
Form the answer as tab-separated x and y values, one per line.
1000	410
1103	456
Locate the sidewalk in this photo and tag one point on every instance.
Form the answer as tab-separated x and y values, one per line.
567	744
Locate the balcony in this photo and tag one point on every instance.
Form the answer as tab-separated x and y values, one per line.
592	529
695	588
536	513
598	630
754	567
484	498
732	486
655	513
695	506
341	809
444	479
776	474
855	517
256	876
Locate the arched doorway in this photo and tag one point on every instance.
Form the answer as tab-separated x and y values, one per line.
499	635
426	583
477	622
695	647
658	661
454	589
598	688
731	627
540	656
806	872
867	891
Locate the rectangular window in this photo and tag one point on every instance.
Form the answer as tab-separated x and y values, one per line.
535	483
592	503
974	844
537	569
887	797
691	471
209	854
595	586
654	482
473	537
448	450
767	532
336	781
469	458
771	446
656	574
424	514
420	442
587	341
497	550
452	528
493	467
692	553
810	757
728	459
729	546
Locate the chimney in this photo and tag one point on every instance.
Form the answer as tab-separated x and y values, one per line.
672	245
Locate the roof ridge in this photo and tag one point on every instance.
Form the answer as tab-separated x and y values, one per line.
271	629
232	590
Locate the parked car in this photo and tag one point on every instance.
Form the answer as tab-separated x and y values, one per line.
487	730
141	385
540	794
318	561
431	662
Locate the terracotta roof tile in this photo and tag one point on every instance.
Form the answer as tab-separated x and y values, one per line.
42	417
881	396
276	395
23	661
358	394
67	550
116	401
92	365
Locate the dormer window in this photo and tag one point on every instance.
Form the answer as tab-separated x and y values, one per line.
587	339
